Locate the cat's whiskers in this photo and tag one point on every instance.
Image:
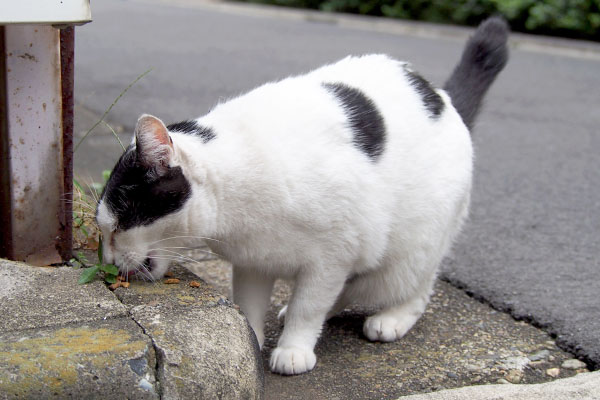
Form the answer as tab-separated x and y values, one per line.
138	267
193	248
82	204
69	196
175	254
93	192
185	236
145	272
167	258
167	249
174	259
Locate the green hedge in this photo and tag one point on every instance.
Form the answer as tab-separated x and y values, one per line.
570	18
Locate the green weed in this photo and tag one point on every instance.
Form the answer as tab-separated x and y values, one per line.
110	271
86	234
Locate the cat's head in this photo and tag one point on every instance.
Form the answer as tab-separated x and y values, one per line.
142	202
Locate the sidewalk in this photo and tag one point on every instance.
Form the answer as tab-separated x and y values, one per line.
458	342
60	339
156	340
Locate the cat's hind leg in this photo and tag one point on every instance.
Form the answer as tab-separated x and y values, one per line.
393	322
401	291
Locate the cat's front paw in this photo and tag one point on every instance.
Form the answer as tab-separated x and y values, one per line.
292	360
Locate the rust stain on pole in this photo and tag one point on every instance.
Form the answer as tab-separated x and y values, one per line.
67	56
5	184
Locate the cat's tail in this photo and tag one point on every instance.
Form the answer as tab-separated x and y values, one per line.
484	56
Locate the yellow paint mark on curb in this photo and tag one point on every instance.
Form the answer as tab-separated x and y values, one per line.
53	360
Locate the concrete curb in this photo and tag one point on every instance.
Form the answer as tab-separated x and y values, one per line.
60	339
205	346
584	386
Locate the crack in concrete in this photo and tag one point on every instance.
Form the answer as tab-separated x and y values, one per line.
158	355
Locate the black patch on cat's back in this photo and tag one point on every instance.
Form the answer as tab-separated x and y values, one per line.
137	196
365	119
432	101
191	127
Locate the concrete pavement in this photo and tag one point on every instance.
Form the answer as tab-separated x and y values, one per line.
59	339
583	386
458	342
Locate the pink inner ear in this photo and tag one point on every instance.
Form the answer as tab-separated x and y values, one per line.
155	127
154	145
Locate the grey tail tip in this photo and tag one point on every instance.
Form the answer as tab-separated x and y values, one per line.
490	40
484	56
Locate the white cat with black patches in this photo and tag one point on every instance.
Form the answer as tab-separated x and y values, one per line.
352	181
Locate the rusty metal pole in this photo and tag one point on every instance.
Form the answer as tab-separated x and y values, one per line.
67	57
36	128
5	186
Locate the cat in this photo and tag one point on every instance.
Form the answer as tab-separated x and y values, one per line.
352	180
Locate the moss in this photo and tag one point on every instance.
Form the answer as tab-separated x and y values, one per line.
185	300
152	288
52	361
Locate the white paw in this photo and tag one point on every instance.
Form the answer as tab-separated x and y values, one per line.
292	360
281	313
385	328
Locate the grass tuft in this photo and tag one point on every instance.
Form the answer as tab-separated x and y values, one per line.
86	234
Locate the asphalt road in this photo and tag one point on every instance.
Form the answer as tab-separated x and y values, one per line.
531	246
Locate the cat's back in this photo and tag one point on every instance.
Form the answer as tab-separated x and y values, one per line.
370	116
319	104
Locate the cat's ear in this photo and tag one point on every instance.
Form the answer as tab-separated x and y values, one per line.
153	143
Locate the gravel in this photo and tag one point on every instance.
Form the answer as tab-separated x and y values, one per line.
573	363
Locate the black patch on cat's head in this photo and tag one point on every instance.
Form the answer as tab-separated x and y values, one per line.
364	117
192	128
137	195
432	101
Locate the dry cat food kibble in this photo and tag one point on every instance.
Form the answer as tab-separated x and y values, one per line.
171	281
119	283
195	284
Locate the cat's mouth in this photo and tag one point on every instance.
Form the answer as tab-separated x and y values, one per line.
147	264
